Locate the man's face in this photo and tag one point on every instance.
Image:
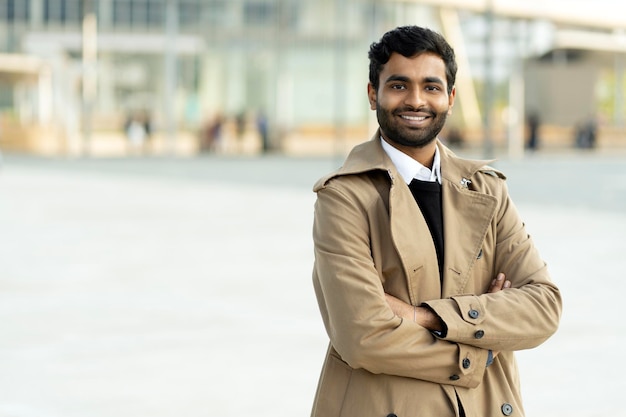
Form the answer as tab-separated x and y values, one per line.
412	101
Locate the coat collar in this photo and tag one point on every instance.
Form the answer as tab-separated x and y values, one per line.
411	169
370	156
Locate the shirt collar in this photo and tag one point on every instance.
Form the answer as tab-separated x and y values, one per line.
409	168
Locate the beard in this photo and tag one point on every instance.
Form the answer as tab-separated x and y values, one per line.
408	136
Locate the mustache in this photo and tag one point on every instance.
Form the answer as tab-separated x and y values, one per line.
413	109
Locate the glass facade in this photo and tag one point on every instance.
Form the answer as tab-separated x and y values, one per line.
63	12
231	56
303	63
12	11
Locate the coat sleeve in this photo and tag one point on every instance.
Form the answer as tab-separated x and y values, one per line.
360	324
521	317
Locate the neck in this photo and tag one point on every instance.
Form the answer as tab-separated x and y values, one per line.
425	155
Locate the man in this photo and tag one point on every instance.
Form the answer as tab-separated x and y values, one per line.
426	279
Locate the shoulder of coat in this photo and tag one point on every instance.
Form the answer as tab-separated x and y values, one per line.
488	170
339	175
321	183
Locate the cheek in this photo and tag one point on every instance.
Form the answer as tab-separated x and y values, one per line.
383	102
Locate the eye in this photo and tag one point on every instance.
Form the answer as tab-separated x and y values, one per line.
397	86
433	88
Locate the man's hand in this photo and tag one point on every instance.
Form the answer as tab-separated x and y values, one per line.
499	283
425	317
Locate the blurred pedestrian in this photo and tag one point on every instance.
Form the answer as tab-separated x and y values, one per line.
263	129
136	132
533	131
426	278
586	134
146	119
240	129
211	134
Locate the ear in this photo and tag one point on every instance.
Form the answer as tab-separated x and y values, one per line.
451	98
371	95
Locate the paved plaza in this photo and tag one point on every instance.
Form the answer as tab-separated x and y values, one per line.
181	287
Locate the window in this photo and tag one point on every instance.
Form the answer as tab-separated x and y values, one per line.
216	13
122	15
189	12
14	10
259	13
138	13
154	11
63	11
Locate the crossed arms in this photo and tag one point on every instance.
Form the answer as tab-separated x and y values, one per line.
382	334
426	317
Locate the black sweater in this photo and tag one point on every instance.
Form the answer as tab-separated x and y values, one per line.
428	197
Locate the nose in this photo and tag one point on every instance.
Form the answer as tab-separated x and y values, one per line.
414	98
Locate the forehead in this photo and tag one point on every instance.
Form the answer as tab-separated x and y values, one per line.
417	67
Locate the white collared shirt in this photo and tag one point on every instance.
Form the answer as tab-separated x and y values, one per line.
409	168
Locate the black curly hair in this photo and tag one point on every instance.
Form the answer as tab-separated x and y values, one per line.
410	41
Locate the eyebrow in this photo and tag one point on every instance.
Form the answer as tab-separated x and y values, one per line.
434	80
393	78
403	78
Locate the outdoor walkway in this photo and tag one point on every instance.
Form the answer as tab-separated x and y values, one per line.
154	287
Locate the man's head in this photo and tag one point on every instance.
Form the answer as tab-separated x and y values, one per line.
412	74
409	41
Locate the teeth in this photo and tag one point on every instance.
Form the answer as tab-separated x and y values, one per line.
414	118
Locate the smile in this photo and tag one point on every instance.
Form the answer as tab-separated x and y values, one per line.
414	118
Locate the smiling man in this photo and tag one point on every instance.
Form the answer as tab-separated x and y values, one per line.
426	278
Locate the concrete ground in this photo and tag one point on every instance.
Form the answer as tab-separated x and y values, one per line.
181	286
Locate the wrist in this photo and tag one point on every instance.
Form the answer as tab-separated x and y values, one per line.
427	318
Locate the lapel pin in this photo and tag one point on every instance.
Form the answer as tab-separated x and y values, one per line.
465	182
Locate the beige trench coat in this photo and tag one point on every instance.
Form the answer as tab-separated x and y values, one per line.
370	238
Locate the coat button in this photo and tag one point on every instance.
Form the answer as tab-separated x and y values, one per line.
473	313
479	334
391	415
466	363
507	409
454	377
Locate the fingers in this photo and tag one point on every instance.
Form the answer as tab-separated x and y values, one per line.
499	283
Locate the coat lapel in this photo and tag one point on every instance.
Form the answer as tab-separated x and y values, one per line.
467	216
414	243
409	230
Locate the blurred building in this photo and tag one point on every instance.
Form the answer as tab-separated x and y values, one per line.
72	72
